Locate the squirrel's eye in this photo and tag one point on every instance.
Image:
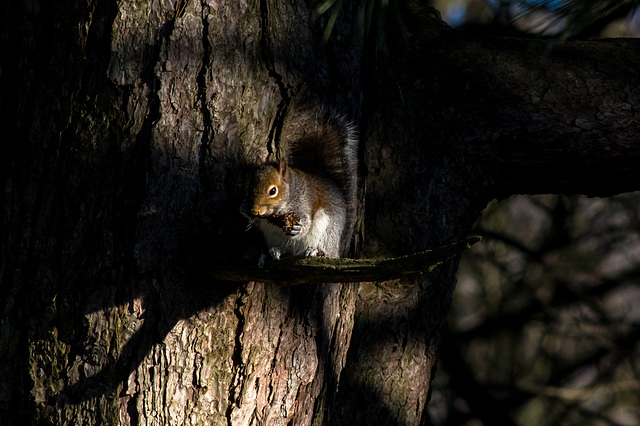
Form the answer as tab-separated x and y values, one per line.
273	191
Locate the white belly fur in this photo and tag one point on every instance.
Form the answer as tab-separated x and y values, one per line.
322	235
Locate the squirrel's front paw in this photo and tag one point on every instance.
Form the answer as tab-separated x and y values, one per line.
294	230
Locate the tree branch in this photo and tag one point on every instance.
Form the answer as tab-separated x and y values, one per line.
527	116
314	270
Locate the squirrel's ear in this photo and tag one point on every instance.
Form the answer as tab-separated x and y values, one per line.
283	169
259	162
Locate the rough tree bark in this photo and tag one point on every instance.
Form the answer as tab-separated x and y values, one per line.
129	130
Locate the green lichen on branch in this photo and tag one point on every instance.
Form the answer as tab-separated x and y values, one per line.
296	270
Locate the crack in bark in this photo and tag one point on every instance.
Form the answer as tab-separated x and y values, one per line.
149	78
236	358
273	143
202	89
272	367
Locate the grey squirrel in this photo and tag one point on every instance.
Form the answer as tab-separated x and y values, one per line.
303	202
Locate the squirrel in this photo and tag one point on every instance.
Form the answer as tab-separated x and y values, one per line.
304	203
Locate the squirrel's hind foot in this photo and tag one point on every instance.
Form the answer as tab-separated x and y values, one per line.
313	251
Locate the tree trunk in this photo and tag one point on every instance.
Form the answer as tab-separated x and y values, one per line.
130	130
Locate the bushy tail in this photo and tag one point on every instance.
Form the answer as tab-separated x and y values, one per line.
315	139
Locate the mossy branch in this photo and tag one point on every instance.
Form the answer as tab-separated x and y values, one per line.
296	270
